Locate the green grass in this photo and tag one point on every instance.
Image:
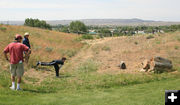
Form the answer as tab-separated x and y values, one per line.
87	37
84	86
52	93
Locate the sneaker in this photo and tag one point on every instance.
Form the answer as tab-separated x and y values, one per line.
12	88
37	63
19	89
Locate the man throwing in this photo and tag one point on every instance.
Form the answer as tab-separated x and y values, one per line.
16	50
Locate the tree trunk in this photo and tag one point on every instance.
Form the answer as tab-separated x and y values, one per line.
160	64
157	64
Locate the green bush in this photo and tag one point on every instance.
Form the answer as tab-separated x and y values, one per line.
150	37
106	48
70	53
78	39
3	28
88	66
158	42
176	47
87	37
49	49
135	43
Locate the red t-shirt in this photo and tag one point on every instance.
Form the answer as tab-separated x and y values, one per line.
16	50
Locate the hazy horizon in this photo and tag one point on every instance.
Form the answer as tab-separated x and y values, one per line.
19	10
89	19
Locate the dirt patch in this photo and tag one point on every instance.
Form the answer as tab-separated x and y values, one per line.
133	50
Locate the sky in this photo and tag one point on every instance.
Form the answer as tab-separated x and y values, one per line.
159	10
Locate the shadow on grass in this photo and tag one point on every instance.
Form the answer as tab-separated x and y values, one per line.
42	68
38	91
65	76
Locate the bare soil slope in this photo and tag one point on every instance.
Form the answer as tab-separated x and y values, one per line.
109	52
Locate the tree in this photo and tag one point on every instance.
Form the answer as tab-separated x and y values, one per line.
36	23
105	32
78	27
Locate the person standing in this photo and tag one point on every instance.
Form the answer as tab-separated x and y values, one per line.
27	43
53	63
16	50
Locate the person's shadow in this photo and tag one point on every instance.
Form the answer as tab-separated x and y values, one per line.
41	68
65	76
38	91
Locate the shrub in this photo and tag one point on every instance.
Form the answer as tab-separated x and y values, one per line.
78	39
3	28
49	49
96	49
98	37
62	51
87	37
71	53
135	43
158	42
176	47
150	37
88	66
106	48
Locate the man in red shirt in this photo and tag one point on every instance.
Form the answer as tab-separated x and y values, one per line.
15	50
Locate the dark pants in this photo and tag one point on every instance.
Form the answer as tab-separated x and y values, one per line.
56	67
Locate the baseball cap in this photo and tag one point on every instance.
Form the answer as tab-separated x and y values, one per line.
18	36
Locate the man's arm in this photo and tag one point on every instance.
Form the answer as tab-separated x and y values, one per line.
6	50
6	57
27	52
60	66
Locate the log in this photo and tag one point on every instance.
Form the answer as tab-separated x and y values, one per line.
157	64
162	60
146	65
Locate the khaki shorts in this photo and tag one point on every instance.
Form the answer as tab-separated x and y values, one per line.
17	69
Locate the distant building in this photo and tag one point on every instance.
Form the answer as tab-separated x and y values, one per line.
92	32
139	32
161	31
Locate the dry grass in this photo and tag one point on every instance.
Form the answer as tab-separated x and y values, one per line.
46	45
133	50
40	40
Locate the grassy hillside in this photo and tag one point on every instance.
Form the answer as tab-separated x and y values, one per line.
91	77
46	45
134	50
